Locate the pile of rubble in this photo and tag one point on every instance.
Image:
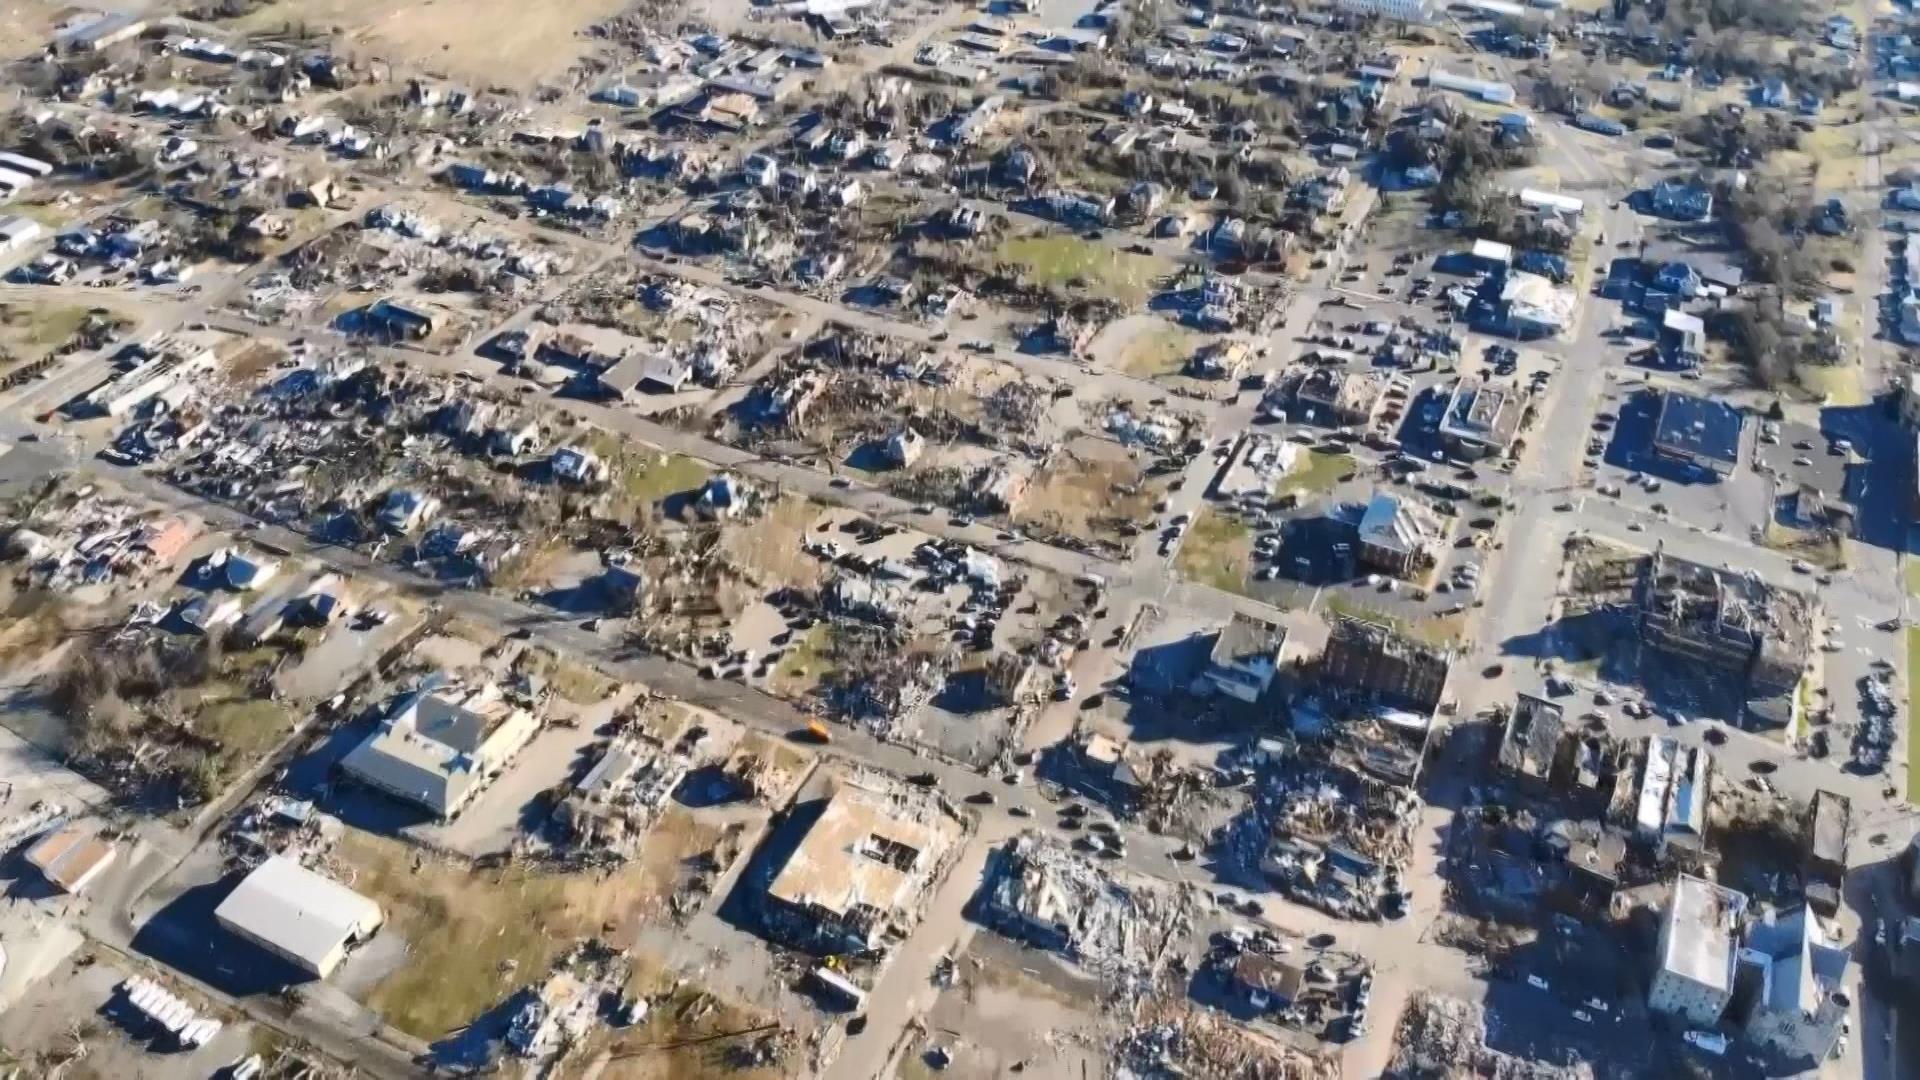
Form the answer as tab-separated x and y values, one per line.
1038	890
1171	1039
1329	837
1442	1036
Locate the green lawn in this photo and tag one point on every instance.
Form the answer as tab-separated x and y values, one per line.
1159	350
1319	473
642	476
245	728
1056	259
1216	551
805	664
1910	570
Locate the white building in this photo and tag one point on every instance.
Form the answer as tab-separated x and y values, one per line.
439	745
1497	93
16	232
298	915
1675	787
1245	657
1552	202
1798	1008
1694	979
1395	10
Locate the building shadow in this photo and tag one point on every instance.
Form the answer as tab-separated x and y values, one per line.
185	936
1881	487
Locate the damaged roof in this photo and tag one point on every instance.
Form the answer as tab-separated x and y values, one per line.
867	850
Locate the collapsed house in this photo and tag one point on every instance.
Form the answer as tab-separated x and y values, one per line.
1829	819
1669	803
858	873
621	795
1378	692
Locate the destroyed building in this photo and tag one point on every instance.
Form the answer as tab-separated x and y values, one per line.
1333	837
1245	657
1530	744
1038	891
1372	660
1732	624
1829	819
621	795
858	874
1675	785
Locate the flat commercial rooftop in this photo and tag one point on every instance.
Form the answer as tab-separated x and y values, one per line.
867	850
1699	944
1698	428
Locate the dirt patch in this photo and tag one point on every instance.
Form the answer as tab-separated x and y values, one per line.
1089	488
691	1035
770	547
1148	347
486	42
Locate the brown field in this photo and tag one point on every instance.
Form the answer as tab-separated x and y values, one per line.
477	935
486	42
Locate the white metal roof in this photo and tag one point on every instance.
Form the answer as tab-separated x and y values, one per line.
299	912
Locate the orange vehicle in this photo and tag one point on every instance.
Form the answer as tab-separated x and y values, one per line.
818	732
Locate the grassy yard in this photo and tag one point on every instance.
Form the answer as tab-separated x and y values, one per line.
245	727
475	936
575	682
1825	551
804	665
1433	629
1058	260
1161	350
771	545
640	476
1318	473
32	329
1838	384
1910	572
1217	551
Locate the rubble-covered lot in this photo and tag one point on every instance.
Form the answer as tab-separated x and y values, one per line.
1327	835
1001	1008
1440	1035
